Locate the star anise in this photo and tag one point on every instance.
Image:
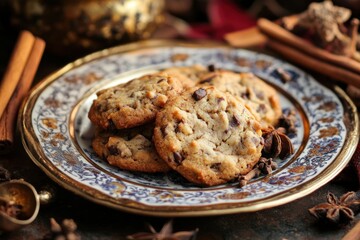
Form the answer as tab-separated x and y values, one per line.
338	210
328	23
166	233
276	143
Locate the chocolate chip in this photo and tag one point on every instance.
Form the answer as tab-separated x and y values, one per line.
260	95
246	95
163	130
111	125
177	128
178	157
256	141
113	150
99	108
219	100
211	68
161	80
261	108
199	94
235	121
215	167
262	141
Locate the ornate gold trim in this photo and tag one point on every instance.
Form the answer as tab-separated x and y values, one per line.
32	147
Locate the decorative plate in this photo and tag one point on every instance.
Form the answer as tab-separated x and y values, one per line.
57	133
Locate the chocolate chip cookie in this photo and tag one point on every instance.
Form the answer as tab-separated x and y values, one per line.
130	149
260	98
136	102
208	136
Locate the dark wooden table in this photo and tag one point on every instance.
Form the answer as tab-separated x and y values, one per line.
290	221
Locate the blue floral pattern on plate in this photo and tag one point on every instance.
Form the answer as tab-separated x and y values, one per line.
60	125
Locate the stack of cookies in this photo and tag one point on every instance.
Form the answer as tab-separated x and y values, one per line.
204	123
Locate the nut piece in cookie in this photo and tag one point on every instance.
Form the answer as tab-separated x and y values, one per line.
130	149
208	136
136	102
260	98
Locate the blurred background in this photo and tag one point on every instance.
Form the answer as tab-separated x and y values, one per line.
74	28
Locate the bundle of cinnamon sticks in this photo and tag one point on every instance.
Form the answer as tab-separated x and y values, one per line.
298	50
16	82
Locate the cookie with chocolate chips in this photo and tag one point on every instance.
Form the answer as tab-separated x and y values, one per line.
260	98
130	149
208	136
136	102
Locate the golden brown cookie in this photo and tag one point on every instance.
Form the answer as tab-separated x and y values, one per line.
208	136
136	102
130	149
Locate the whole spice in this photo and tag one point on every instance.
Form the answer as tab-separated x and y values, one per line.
264	166
166	233
276	143
244	179
327	23
337	210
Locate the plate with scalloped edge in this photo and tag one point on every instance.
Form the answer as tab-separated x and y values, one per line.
57	134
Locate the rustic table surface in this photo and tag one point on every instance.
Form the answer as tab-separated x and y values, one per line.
290	221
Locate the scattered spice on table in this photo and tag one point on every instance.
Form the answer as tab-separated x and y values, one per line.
166	233
64	231
338	210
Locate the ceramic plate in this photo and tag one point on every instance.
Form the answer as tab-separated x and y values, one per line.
57	133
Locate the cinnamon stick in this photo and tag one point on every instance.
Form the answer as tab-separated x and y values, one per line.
8	119
275	31
246	38
253	36
309	62
17	63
